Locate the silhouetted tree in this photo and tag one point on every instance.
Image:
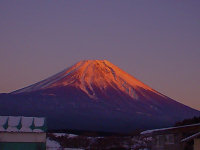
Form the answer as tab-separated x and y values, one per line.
193	120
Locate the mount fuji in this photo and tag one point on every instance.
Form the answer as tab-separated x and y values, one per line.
95	95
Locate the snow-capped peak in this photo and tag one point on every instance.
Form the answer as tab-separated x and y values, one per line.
88	74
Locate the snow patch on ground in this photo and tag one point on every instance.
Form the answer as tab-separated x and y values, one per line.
52	144
59	134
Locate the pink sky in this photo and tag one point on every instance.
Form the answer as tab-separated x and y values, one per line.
156	41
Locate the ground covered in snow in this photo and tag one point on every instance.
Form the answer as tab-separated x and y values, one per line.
64	141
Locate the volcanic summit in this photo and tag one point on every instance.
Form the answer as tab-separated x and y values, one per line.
95	95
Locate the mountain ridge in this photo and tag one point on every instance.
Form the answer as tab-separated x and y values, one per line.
109	67
95	95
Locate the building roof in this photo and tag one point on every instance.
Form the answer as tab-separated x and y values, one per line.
22	124
171	129
191	137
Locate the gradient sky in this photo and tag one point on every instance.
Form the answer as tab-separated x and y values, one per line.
158	42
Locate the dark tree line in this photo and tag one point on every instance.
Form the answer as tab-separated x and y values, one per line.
193	120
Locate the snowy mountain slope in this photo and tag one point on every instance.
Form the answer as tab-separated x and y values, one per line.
95	95
86	74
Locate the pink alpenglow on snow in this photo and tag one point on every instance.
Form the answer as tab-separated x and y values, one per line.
96	95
